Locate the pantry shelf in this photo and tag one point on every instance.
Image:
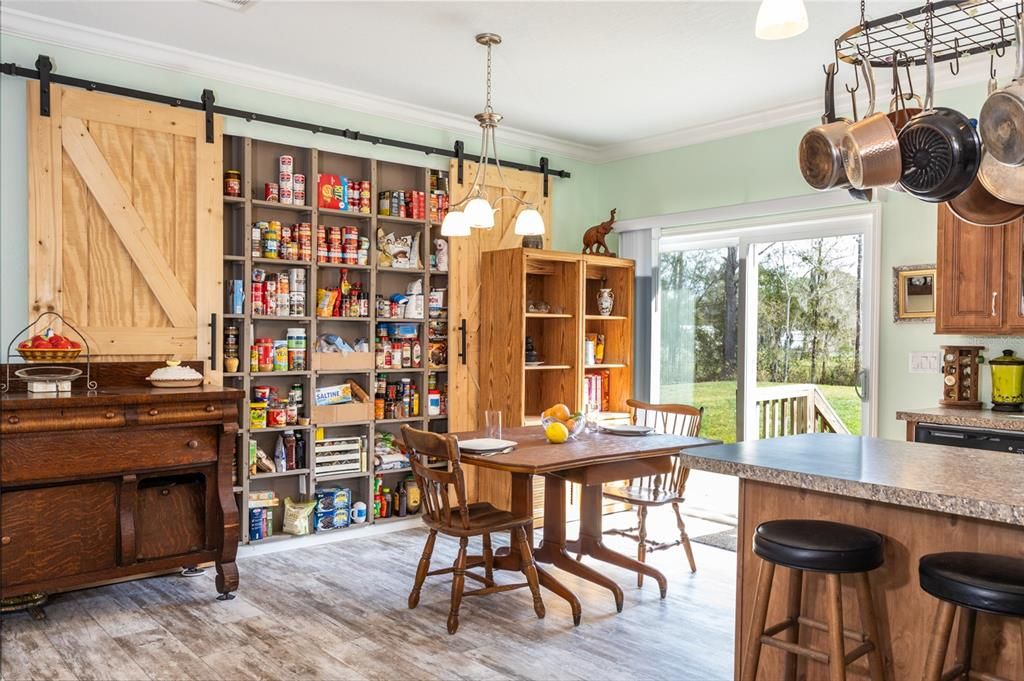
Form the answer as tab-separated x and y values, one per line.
279	318
330	477
266	374
282	262
401	270
343	266
404	221
234	200
344	213
279	474
279	429
281	206
410	419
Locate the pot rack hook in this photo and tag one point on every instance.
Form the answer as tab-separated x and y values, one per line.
954	65
992	65
856	86
1000	49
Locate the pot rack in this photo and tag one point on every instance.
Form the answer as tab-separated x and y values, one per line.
44	73
957	28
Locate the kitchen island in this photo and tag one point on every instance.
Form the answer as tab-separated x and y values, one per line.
922	498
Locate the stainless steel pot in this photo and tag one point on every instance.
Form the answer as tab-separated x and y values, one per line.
1001	121
871	149
821	160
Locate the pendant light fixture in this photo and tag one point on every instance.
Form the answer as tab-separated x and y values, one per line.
474	210
779	19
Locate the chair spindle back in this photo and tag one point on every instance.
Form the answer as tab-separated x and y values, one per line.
435	484
671	419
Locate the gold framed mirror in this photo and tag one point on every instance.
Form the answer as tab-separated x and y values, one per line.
913	295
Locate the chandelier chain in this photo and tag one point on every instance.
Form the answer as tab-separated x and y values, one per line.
487	107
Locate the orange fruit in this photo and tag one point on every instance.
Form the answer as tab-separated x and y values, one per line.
570	424
560	412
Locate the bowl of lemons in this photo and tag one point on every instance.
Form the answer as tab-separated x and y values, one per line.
560	424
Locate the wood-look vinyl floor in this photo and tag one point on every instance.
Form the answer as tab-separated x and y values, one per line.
338	611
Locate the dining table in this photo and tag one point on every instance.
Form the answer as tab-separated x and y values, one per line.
590	459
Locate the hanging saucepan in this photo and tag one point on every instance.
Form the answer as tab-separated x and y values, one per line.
941	149
871	150
821	162
978	205
1002	116
1002	181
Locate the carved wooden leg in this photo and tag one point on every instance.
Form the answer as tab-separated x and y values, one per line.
227	580
458	583
641	547
940	641
488	557
837	645
530	570
422	569
684	538
869	624
752	654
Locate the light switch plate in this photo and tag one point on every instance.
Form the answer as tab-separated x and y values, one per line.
924	363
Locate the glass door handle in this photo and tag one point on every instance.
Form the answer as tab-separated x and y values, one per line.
861	388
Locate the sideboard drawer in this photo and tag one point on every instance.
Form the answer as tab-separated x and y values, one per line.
39	420
160	414
32	458
53	532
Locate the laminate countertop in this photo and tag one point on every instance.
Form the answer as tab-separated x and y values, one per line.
973	418
966	482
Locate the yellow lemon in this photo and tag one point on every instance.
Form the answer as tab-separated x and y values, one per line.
556	433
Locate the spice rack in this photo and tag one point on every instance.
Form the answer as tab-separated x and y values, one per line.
257	161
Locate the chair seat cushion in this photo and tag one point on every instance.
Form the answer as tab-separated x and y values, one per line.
819	546
641	496
483	517
979	581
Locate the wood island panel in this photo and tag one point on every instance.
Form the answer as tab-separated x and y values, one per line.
905	613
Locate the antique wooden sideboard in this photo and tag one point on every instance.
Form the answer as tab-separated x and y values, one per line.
127	481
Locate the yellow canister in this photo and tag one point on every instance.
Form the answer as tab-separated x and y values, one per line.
1007	382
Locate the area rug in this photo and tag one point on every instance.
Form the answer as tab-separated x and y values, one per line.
726	539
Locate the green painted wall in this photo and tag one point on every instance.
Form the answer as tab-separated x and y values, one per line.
573	207
761	166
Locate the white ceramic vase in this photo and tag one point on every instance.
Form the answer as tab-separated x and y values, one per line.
605	301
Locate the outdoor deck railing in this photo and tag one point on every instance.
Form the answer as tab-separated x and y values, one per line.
793	409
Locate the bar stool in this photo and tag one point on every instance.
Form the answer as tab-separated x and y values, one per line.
973	582
815	546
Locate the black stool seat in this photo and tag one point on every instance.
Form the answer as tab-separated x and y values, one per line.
818	546
979	581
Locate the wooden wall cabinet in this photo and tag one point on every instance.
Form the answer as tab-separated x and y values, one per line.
979	277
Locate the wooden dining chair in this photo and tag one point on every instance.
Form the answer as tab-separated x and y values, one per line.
463	521
658	490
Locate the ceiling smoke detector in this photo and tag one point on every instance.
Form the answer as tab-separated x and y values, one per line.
232	4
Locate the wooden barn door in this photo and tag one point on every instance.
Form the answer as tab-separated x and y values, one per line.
125	223
464	304
464	278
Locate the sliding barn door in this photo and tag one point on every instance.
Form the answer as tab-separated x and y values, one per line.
125	223
464	278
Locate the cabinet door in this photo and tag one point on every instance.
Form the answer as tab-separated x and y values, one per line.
124	196
170	516
53	532
1015	276
970	274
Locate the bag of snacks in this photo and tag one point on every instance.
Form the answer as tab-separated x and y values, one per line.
296	516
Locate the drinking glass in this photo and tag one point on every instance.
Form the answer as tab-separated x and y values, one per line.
492	424
590	413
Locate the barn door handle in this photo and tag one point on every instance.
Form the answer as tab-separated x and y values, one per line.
462	340
213	341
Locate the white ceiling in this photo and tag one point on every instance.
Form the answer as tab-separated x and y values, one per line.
598	75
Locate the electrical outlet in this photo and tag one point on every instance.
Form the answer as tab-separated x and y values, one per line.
924	362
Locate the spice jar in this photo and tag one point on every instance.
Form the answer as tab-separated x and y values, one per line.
232	183
277	416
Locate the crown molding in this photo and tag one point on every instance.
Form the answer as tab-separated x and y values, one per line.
96	41
56	32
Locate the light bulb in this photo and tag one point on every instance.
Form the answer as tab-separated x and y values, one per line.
529	223
455	224
778	19
479	213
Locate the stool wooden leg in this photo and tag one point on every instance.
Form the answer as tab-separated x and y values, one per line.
458	583
794	598
965	640
837	646
940	641
760	615
869	624
641	547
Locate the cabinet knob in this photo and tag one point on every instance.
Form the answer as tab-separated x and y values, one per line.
5	541
154	412
13	420
193	444
164	492
210	408
109	415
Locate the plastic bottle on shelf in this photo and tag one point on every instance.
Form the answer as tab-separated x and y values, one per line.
403	500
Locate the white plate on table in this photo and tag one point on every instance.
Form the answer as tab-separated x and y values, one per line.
626	429
486	445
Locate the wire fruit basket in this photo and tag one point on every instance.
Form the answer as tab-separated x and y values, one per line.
49	355
47	373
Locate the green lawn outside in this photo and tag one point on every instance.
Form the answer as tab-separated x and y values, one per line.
719	401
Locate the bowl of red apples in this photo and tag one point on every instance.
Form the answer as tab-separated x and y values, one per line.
49	347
